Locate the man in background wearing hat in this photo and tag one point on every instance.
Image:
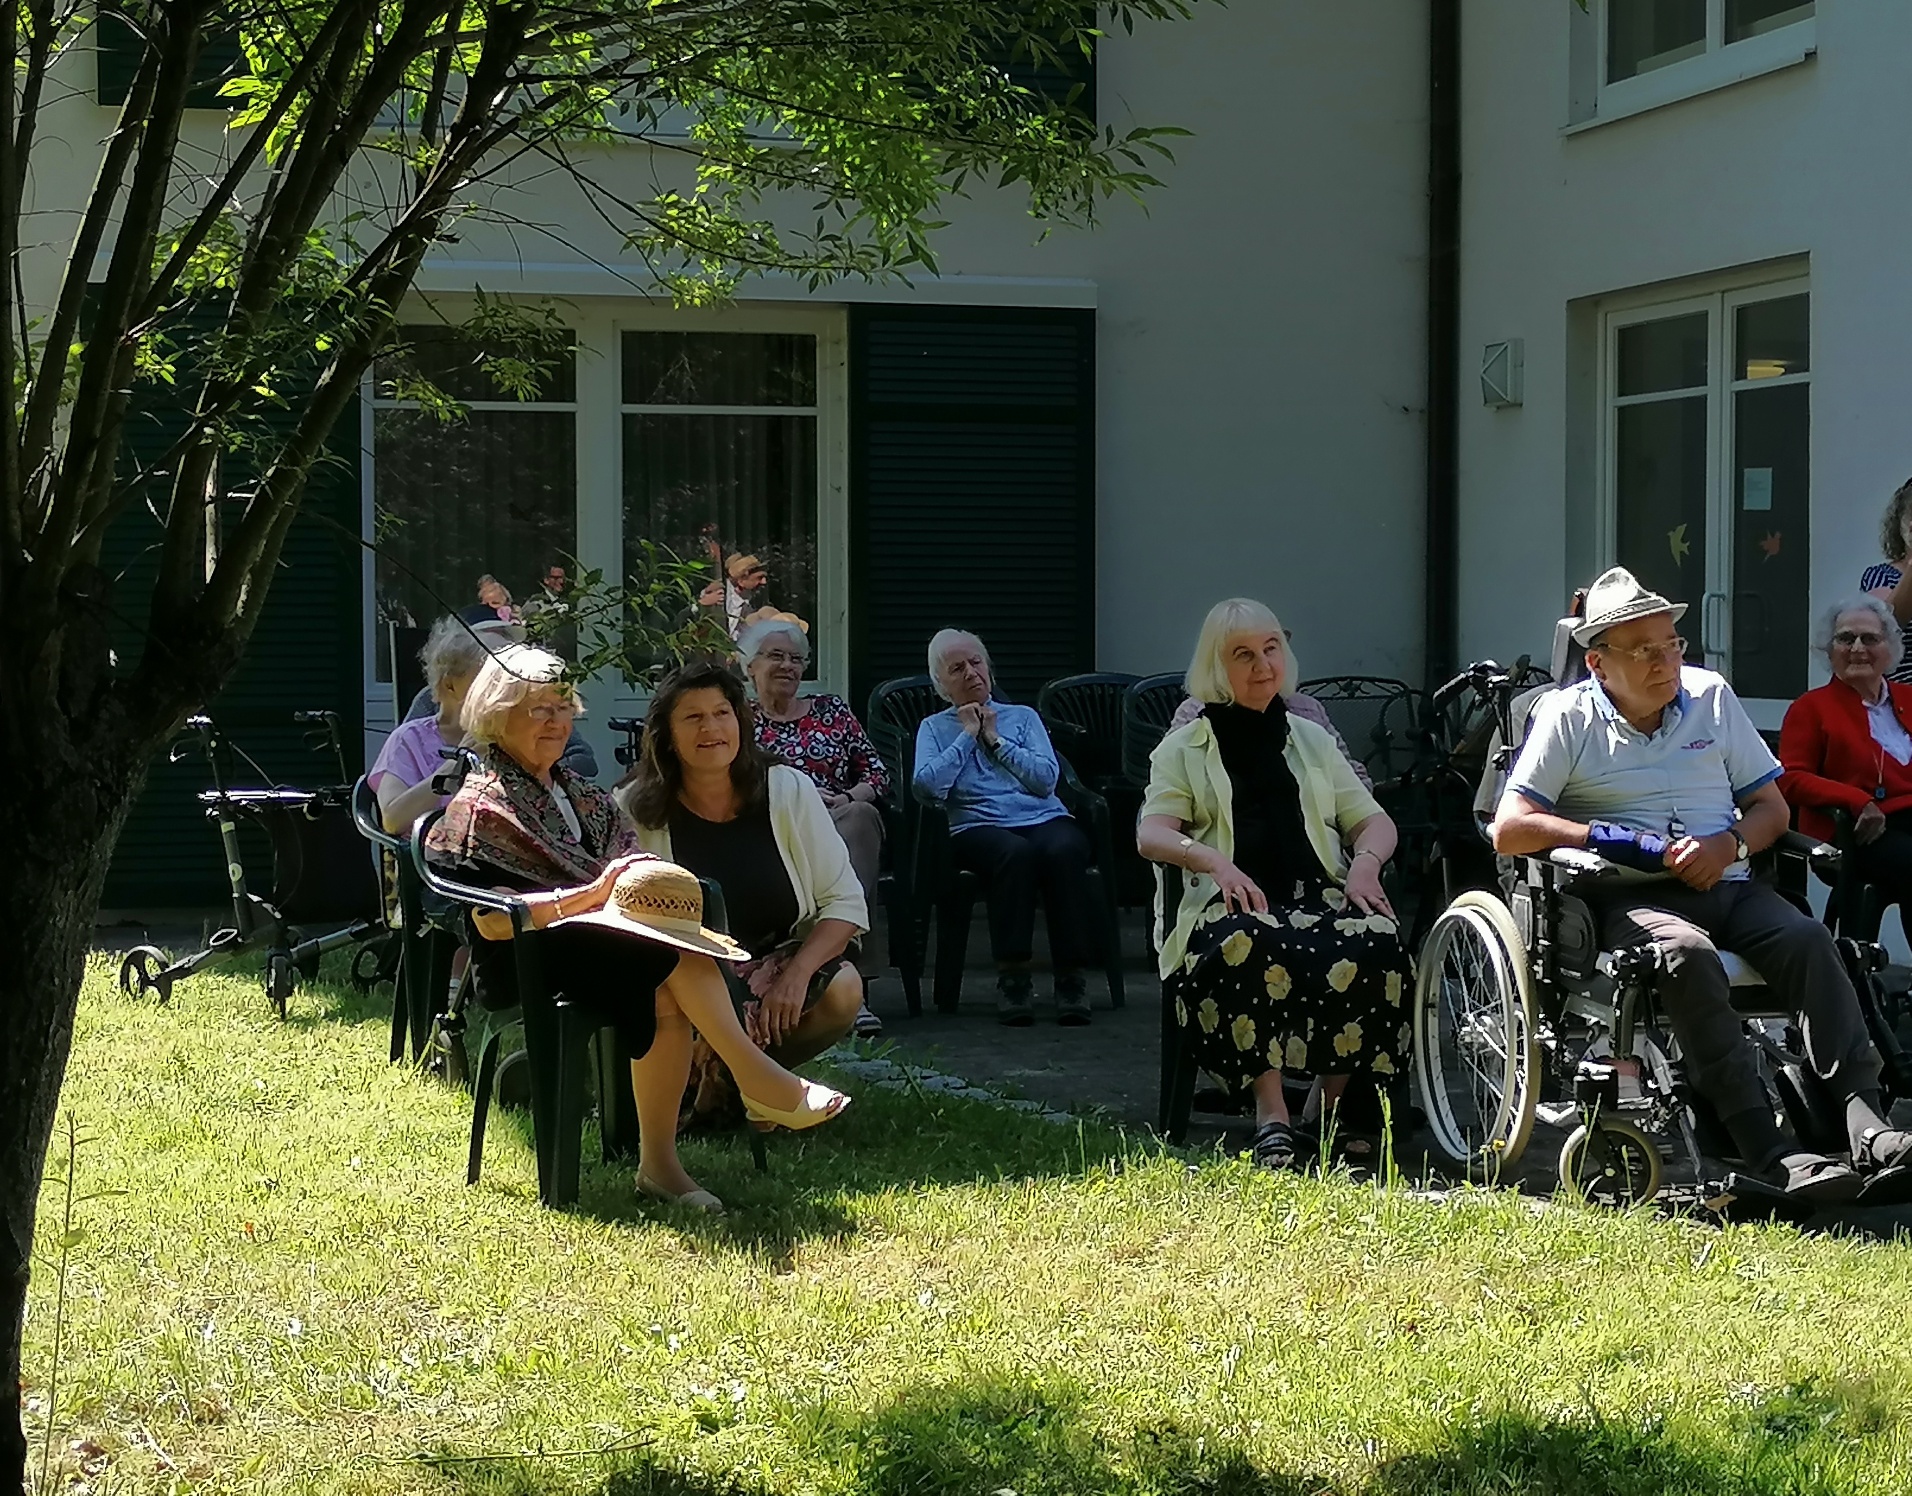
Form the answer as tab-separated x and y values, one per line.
1645	763
741	592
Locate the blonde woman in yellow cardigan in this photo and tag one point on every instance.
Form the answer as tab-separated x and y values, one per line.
1284	953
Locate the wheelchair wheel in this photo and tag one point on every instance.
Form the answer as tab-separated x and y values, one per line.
1610	1162
1476	1048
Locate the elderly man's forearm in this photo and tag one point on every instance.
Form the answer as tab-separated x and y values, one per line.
1527	831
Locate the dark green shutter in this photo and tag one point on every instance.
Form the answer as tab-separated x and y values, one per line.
305	653
972	489
117	47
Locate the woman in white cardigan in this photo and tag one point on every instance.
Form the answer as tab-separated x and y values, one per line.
703	795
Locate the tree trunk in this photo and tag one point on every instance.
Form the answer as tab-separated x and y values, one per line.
60	815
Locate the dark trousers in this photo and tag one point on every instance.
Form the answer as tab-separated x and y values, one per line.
1792	951
1887	862
1015	864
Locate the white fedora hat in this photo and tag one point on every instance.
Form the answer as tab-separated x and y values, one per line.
660	901
1617	597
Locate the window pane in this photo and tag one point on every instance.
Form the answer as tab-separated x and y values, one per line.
1772	338
495	493
728	488
1666	355
719	368
1646	34
1660	480
456	364
1746	18
1772	498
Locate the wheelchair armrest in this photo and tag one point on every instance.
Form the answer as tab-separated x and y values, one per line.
1582	863
1822	857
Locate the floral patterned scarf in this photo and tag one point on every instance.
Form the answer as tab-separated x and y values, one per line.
504	818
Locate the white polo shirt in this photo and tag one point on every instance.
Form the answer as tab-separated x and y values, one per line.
1582	760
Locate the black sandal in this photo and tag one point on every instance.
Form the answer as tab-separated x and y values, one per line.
1274	1147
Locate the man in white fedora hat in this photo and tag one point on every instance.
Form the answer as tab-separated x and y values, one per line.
1654	765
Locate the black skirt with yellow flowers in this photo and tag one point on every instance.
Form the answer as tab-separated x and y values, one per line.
1312	985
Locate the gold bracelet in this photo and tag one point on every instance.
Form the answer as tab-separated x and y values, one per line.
1182	852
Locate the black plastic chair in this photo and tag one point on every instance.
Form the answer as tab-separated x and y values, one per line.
1083	714
1148	706
895	710
425	948
632	748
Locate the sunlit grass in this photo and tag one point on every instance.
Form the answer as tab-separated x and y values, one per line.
297	1292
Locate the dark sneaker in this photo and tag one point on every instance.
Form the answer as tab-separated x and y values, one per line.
1072	1001
1013	992
1814	1178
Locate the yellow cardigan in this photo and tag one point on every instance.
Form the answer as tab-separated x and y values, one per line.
1187	783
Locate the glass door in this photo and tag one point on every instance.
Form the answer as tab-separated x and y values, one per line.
1709	474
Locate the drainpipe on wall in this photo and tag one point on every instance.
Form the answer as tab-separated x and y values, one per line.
1442	619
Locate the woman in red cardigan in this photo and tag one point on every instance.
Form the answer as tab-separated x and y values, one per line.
1847	745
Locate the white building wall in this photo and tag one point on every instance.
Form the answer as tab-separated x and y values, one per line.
1260	325
1801	162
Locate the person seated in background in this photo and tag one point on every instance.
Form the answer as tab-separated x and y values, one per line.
703	795
819	734
1656	767
523	825
1284	953
990	765
494	603
1299	704
1847	745
495	633
401	776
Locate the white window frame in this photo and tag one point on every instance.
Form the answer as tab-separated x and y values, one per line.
1711	614
599	323
1720	65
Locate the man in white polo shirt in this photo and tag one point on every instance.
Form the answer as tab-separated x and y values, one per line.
1655	766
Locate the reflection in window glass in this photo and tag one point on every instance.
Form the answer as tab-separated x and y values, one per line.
1772	522
1646	34
489	494
1669	354
1772	338
1746	18
733	481
1661	498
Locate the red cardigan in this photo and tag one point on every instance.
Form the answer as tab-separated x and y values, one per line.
1831	760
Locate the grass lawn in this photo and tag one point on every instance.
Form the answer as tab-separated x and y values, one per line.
295	1292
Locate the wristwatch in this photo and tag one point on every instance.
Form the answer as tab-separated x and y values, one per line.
1739	841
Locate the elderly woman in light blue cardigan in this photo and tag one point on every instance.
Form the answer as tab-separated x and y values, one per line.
991	766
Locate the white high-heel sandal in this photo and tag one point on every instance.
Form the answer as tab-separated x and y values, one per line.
819	1105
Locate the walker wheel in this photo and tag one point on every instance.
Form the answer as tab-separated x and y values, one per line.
368	967
279	980
512	1084
140	973
1610	1162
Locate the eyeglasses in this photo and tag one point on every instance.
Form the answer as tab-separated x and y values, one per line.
551	711
1647	654
782	657
1848	640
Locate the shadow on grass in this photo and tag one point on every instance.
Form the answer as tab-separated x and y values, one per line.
1000	1436
1801	1441
970	1439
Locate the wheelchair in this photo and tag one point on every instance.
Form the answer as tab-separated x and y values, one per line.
1519	1015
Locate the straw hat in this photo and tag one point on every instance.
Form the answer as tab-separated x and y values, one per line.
740	567
1617	597
663	902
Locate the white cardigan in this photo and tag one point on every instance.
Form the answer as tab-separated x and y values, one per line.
813	852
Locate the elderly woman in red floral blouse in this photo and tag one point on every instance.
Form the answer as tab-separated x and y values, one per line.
819	734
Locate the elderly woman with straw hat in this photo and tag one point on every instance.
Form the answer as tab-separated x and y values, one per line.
1284	953
623	932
